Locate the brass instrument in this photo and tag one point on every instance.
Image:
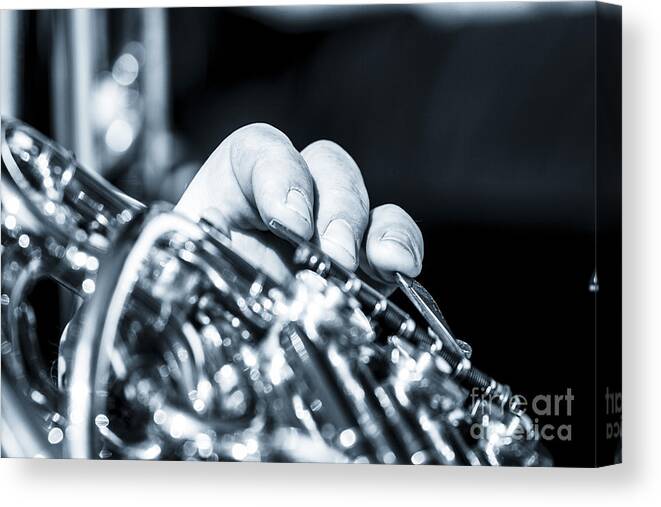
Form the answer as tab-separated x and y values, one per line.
181	349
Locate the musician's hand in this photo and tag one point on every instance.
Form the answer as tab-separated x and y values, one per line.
256	175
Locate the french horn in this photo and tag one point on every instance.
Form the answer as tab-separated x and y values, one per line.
180	349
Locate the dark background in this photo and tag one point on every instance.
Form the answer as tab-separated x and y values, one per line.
479	120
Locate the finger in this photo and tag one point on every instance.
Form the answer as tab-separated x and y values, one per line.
394	242
342	203
254	176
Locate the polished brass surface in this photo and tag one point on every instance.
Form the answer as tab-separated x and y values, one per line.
183	350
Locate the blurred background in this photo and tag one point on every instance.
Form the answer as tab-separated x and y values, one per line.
477	119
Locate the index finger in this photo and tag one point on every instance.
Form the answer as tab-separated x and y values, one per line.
254	176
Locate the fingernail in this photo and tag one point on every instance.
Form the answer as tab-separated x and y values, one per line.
402	240
298	203
339	233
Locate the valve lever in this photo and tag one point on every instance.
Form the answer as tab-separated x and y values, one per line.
425	304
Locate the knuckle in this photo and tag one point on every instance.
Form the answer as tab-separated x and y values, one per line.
323	147
390	209
260	138
352	199
260	131
332	162
334	156
258	143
